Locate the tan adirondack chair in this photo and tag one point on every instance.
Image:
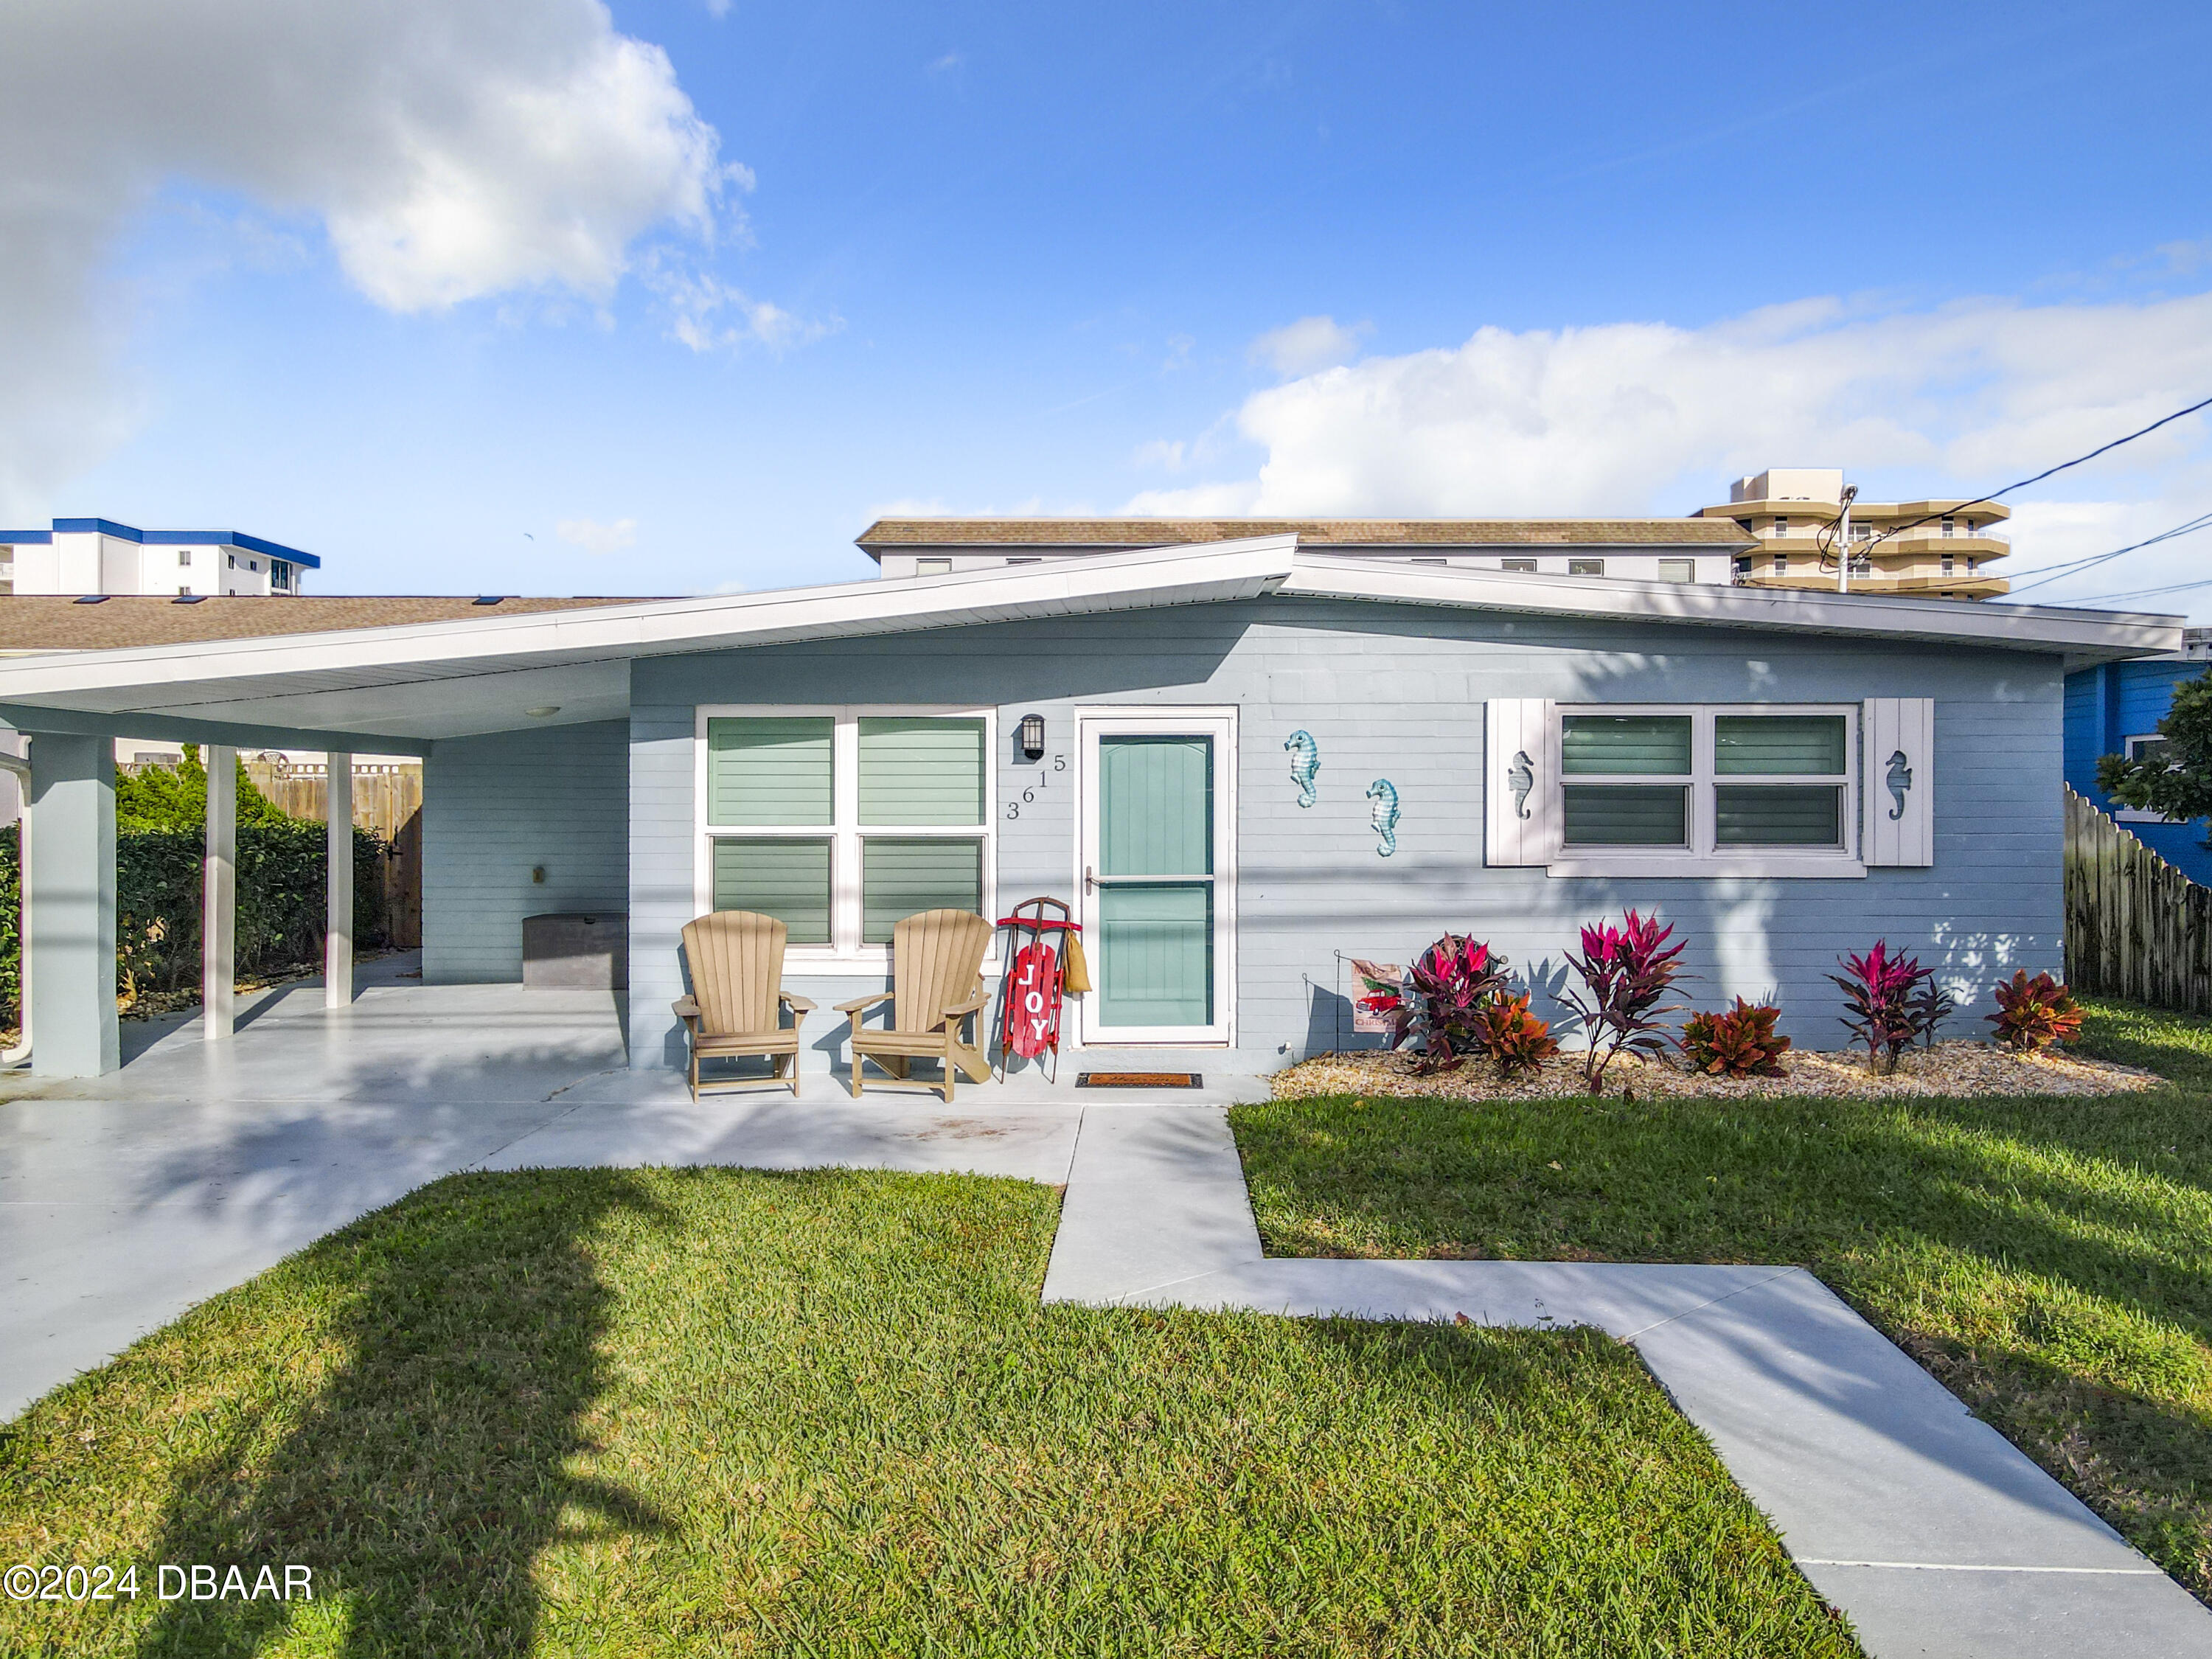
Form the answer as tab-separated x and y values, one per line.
736	959
936	986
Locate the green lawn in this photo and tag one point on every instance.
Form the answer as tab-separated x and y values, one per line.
608	1412
2049	1259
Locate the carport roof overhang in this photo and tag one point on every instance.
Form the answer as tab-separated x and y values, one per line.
397	689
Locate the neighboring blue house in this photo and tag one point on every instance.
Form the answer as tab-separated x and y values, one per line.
1240	763
2114	708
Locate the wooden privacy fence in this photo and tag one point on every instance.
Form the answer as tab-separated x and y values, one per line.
2135	927
387	798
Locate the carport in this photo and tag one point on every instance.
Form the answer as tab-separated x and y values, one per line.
348	681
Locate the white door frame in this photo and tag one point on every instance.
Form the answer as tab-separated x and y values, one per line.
1218	722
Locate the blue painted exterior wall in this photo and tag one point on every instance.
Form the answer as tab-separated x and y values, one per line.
2105	707
496	807
1397	692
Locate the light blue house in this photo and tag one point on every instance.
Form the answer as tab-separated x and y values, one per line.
2114	708
1242	763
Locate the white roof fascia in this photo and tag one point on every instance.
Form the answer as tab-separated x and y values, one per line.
1141	580
2082	636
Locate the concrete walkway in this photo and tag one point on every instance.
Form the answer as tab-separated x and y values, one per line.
1925	1525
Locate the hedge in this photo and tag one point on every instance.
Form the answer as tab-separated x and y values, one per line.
281	902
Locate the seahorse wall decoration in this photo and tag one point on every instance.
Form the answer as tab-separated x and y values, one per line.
1522	778
1899	780
1305	763
1383	814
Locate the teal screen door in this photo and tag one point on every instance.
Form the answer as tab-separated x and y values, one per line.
1155	879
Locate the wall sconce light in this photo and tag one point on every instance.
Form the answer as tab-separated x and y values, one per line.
1033	737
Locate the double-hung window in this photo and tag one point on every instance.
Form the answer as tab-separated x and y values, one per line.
1705	788
839	821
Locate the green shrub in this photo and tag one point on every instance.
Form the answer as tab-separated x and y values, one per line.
161	838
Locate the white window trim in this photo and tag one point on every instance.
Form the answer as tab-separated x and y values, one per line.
1218	721
1702	860
845	953
2136	814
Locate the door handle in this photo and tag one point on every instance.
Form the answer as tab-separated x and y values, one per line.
1090	879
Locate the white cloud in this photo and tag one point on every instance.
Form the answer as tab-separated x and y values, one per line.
596	537
1310	343
945	65
1642	417
450	150
709	314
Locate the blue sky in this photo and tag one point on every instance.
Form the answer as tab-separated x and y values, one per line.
712	315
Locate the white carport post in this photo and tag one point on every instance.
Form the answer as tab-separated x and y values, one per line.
219	896
71	946
337	944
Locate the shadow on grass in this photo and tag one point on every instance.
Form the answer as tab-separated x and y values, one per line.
423	1476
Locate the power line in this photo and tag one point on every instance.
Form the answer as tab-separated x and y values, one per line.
2143	592
2075	566
1823	541
2048	472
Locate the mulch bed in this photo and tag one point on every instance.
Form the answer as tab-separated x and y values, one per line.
1958	1068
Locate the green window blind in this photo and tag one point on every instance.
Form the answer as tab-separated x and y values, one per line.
787	879
918	771
1778	815
1780	744
900	877
1627	815
1656	745
770	771
1158	814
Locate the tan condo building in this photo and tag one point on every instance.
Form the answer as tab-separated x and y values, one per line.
1794	512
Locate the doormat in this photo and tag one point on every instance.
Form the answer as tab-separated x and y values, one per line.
1139	1080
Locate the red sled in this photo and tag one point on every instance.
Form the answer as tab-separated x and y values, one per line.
1031	994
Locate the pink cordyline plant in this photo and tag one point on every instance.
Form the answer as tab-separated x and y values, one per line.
1624	971
1890	1001
1439	1006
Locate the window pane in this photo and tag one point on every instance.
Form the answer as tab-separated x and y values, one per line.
900	878
921	771
1783	744
1157	956
787	879
1778	815
770	771
1156	806
1627	815
1651	743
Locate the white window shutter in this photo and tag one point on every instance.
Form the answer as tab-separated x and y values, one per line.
1516	792
1897	781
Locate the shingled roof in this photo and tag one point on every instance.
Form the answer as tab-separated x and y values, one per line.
40	622
1318	534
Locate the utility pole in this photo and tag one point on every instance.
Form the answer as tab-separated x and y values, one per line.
1844	541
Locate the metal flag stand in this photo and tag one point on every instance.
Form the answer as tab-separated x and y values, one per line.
1040	949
